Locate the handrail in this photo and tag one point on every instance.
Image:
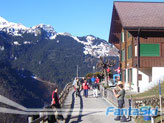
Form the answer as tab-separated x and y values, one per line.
62	97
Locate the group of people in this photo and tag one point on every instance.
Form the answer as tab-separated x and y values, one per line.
85	84
91	83
95	85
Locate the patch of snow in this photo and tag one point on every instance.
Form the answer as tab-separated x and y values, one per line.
152	84
53	37
16	43
27	42
90	38
11	28
34	77
103	49
51	33
2	48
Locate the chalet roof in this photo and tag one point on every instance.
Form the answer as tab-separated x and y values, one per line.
141	14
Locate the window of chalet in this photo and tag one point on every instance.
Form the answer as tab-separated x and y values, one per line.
124	75
130	52
130	75
129	35
123	55
122	36
149	49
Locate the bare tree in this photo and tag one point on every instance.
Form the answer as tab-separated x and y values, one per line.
103	65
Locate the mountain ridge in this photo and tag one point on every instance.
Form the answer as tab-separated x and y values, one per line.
91	47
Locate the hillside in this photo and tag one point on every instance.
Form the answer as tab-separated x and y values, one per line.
20	87
51	56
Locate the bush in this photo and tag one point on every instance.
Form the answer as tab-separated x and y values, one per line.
97	74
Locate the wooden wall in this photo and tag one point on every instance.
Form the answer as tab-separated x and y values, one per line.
124	45
150	37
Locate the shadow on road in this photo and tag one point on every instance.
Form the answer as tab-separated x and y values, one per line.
81	109
79	117
72	107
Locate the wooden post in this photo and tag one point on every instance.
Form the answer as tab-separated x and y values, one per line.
30	119
77	70
160	98
138	60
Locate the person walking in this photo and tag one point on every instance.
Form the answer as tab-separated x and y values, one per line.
98	81
55	103
85	88
96	87
81	83
74	82
77	86
93	81
120	97
89	81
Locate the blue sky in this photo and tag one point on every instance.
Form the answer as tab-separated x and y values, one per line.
78	17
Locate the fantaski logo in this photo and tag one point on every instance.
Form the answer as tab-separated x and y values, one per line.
143	111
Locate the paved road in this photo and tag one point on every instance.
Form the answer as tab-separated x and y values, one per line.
87	110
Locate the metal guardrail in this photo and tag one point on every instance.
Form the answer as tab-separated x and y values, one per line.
108	94
43	117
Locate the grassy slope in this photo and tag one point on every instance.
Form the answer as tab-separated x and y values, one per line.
152	92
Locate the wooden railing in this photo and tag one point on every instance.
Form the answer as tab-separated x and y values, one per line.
43	117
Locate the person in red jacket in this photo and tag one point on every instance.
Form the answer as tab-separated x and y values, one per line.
85	88
118	70
108	70
55	103
108	73
97	80
55	98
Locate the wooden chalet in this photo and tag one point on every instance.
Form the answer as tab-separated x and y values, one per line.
137	30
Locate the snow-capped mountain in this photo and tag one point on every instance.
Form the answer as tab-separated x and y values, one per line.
93	46
16	29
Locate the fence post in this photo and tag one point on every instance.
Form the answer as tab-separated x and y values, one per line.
130	105
41	115
47	117
152	120
30	119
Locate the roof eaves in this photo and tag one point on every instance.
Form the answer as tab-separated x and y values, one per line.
136	28
135	2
